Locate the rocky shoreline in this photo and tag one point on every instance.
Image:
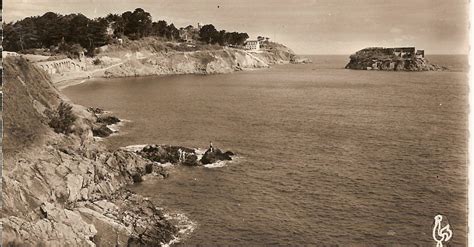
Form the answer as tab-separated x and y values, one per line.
103	122
63	188
118	61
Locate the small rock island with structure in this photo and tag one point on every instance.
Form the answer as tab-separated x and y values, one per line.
391	59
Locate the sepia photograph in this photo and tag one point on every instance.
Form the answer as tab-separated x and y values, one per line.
234	123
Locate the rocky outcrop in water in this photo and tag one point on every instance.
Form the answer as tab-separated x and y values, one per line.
385	59
300	60
68	190
170	154
182	155
214	155
107	119
102	120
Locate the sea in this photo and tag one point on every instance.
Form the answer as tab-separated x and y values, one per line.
325	155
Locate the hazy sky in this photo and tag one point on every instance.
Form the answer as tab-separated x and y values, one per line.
306	26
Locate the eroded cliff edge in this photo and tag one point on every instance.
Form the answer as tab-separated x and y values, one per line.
389	59
152	56
67	189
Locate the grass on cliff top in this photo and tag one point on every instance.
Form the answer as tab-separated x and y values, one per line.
373	53
158	44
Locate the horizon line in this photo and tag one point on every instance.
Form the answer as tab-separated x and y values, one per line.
348	54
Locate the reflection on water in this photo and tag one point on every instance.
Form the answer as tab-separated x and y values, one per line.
328	155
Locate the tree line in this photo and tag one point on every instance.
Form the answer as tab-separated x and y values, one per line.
76	31
211	35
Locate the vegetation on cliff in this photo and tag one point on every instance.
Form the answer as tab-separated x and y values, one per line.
68	34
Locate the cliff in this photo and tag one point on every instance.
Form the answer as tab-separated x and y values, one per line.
67	189
144	62
152	56
385	59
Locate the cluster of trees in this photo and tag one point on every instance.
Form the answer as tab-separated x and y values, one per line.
139	24
52	29
211	35
76	31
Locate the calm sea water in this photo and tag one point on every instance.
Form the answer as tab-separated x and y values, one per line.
327	155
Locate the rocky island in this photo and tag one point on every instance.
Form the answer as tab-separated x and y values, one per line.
391	59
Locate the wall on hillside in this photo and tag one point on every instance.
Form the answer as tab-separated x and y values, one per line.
61	66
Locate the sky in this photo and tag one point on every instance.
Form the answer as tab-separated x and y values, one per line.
306	26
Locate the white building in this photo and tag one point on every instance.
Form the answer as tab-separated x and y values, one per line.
252	45
9	54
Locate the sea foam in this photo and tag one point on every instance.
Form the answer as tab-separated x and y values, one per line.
183	223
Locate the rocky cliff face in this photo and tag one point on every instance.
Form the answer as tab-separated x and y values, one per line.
67	190
145	61
378	59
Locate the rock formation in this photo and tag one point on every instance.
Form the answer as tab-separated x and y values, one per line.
182	155
214	155
67	189
385	59
102	120
170	154
144	58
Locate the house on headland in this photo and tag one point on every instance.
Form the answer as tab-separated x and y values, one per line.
189	34
402	52
252	45
420	54
407	52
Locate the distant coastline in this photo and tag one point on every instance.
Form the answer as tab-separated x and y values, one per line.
132	44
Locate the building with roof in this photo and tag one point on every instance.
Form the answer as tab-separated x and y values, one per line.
252	45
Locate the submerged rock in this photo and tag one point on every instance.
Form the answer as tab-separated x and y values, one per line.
214	155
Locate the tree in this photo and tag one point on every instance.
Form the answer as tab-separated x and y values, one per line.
61	119
117	22
137	24
172	32
209	34
96	35
51	29
78	29
159	28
